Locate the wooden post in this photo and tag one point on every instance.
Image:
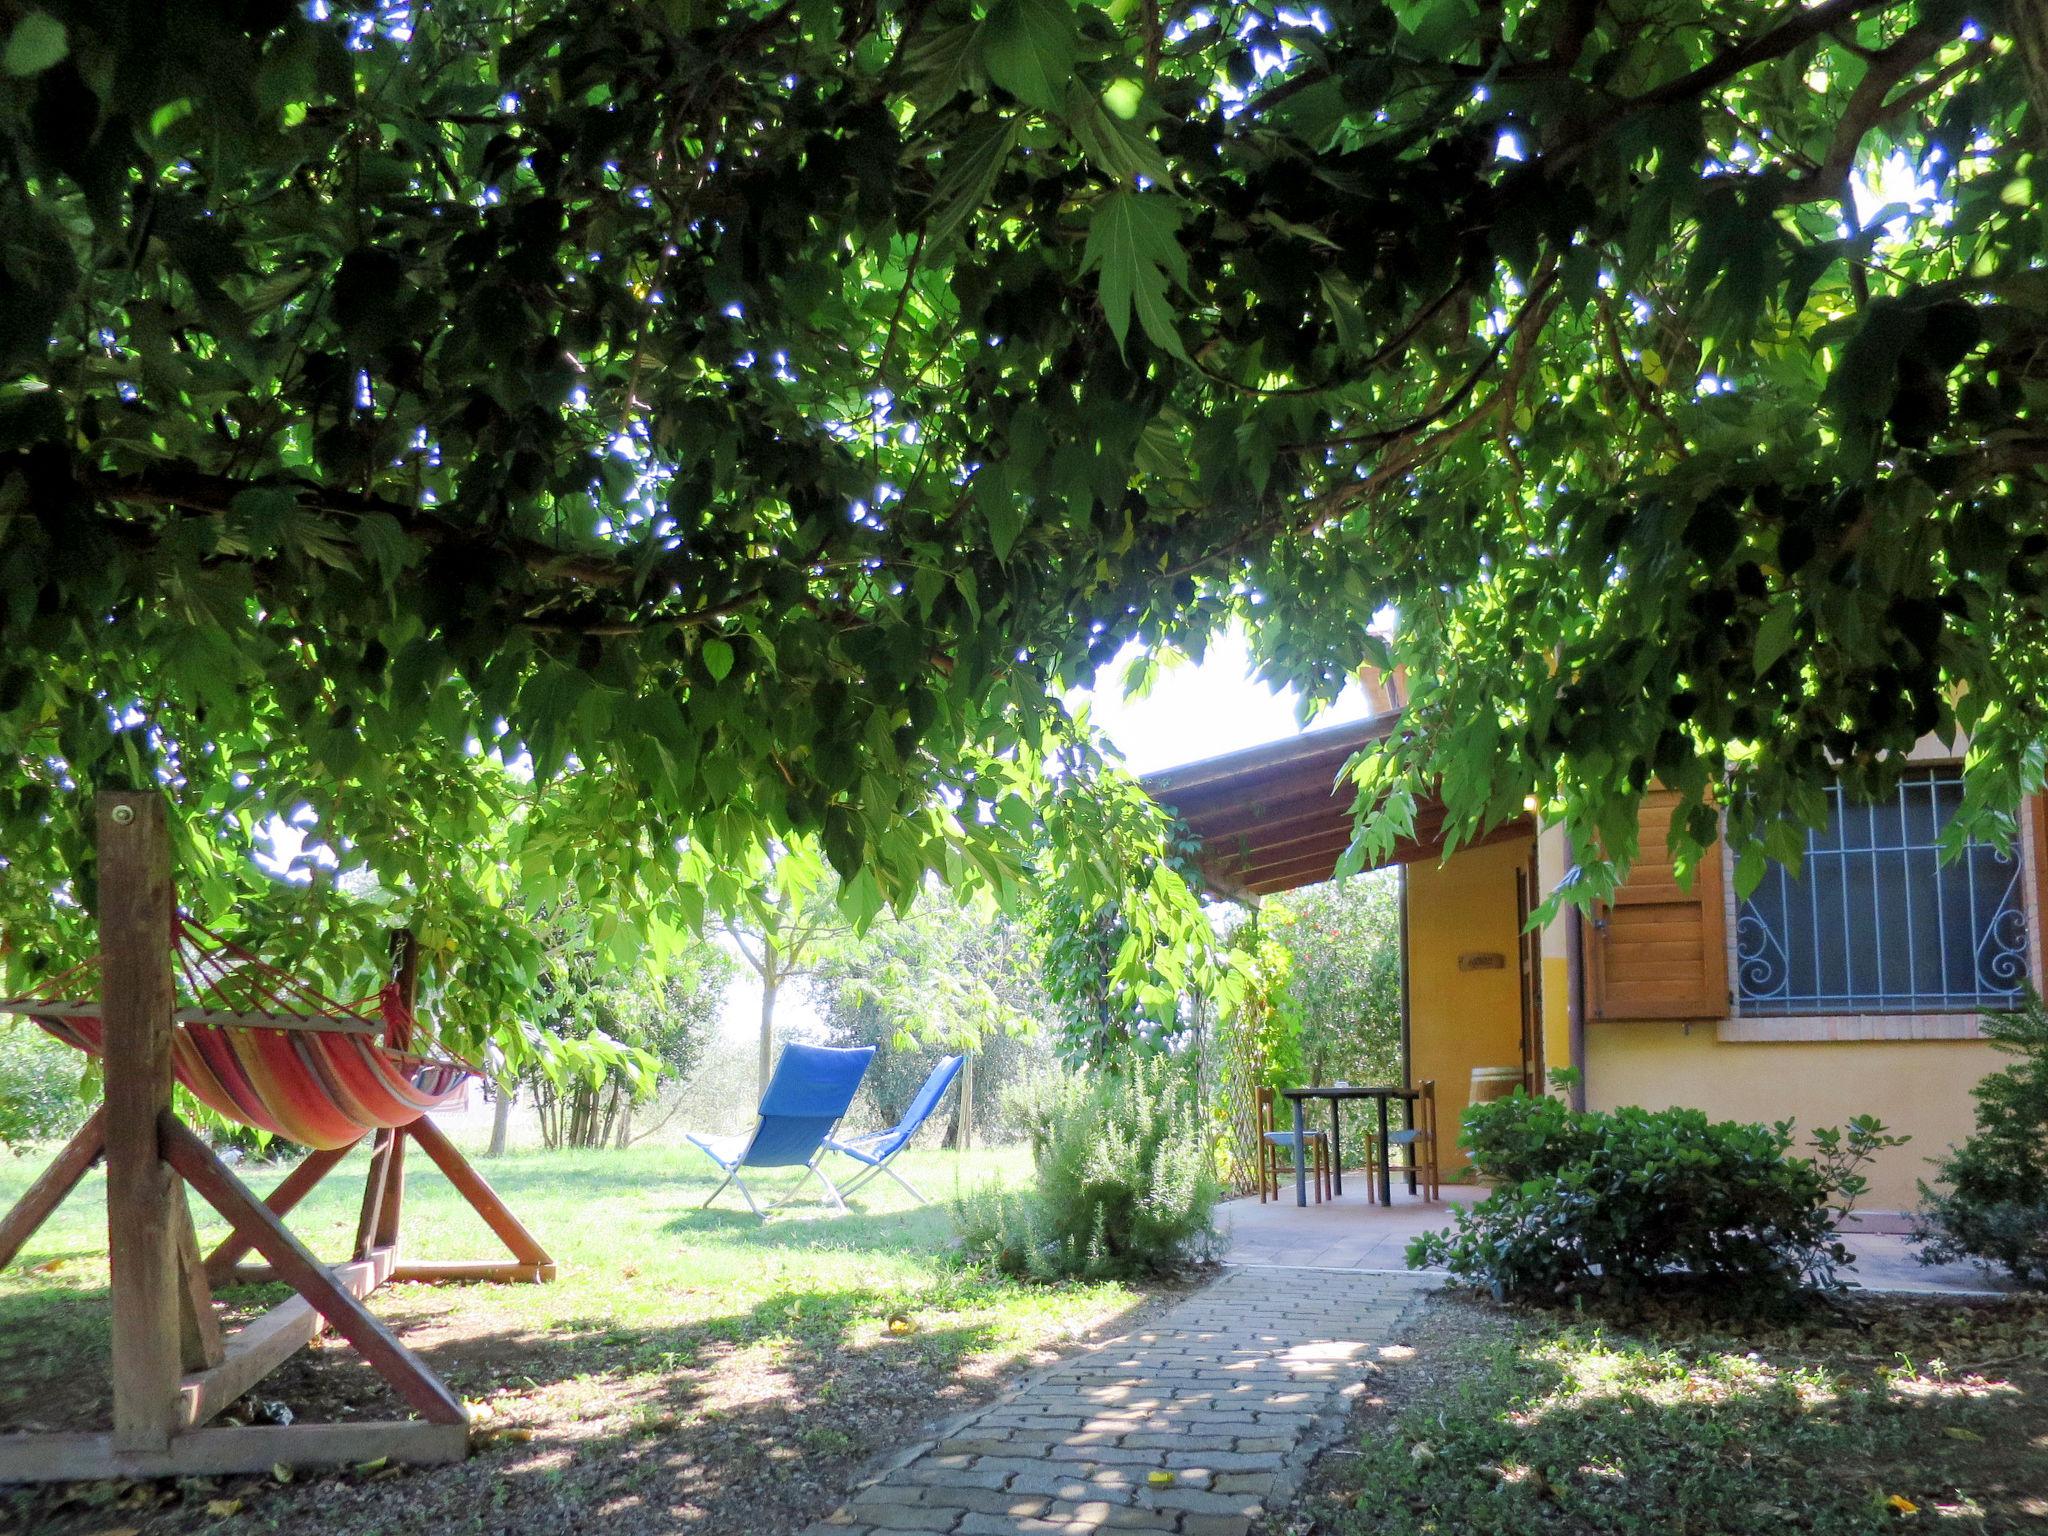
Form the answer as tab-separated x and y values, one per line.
405	959
136	909
371	1221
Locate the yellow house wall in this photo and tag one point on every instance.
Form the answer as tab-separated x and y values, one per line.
1458	1020
1919	1088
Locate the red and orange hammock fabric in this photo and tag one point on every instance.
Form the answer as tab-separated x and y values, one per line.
265	1049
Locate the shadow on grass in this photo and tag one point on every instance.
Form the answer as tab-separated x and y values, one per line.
1540	1424
663	1428
799	1227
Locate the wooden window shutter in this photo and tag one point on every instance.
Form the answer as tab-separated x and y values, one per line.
1660	950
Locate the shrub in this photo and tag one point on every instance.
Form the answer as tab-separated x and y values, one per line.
1992	1205
1123	1185
46	1088
1615	1201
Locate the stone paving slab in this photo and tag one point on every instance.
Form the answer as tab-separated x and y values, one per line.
1194	1425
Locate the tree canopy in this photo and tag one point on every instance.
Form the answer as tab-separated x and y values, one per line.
583	443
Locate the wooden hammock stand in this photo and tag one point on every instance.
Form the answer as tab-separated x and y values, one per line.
173	1371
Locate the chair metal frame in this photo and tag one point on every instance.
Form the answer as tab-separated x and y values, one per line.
834	1196
904	1130
793	1059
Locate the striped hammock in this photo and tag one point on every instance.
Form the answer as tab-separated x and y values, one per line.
263	1048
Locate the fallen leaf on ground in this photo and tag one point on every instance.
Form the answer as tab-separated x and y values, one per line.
1900	1505
223	1508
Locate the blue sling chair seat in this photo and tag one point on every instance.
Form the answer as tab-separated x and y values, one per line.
879	1148
811	1088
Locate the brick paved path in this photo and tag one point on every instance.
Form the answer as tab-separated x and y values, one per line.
1227	1391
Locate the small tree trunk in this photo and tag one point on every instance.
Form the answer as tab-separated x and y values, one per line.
625	1123
770	984
501	1121
964	1140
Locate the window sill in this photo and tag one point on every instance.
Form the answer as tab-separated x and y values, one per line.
1853	1026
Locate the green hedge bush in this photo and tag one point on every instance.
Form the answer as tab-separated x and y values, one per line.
1123	1186
1616	1201
1990	1199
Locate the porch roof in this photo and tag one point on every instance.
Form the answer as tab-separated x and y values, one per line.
1275	817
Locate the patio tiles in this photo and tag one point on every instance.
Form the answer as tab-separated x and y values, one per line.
1196	1424
1347	1233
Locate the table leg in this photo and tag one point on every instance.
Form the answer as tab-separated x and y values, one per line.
1300	1155
1386	1165
1336	1154
1414	1152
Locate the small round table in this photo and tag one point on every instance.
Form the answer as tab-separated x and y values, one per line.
1335	1094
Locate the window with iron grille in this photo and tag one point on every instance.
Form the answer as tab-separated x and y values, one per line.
1877	922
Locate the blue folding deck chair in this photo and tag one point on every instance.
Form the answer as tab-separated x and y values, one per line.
879	1148
810	1090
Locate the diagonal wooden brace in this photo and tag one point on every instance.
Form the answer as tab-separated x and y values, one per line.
52	1185
296	1185
478	1192
195	1162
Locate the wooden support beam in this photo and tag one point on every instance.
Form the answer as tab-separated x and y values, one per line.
478	1192
52	1185
64	1458
136	910
391	1203
384	1260
405	973
315	1166
319	1024
375	1183
199	1340
254	1351
214	1180
445	1271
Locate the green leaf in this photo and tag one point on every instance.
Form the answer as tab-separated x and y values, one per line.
1028	48
37	43
385	542
1006	516
1112	146
969	176
1340	297
1131	245
169	115
944	64
1774	636
717	659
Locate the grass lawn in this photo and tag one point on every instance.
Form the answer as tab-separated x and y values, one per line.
1902	1414
689	1370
